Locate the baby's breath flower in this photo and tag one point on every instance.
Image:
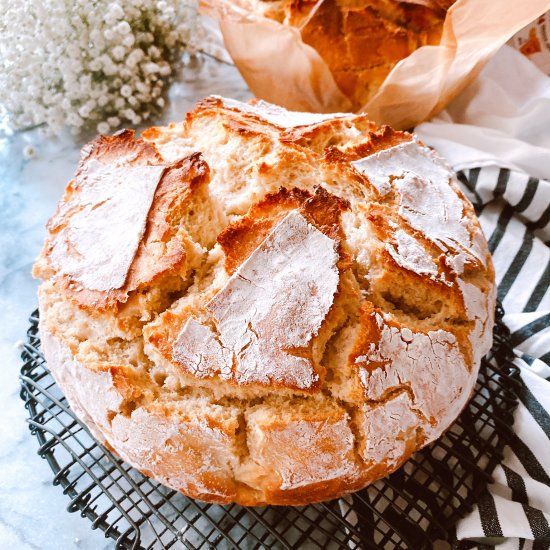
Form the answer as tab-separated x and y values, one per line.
129	41
103	127
124	27
118	52
88	64
125	91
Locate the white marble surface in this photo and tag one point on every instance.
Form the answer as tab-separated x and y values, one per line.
32	512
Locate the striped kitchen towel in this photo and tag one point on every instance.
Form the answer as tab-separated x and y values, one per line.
514	210
496	134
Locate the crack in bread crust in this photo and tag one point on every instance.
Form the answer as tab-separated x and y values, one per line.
291	241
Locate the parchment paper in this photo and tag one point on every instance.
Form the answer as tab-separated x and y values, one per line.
279	67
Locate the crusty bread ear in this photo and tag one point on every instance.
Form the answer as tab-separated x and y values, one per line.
295	303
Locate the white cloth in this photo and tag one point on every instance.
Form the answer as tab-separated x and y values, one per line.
497	135
502	118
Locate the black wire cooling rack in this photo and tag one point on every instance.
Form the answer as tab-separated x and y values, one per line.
410	509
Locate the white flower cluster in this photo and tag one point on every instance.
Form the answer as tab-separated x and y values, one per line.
86	63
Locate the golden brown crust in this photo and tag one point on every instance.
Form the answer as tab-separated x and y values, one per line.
361	40
242	237
307	306
163	333
162	250
121	146
238	241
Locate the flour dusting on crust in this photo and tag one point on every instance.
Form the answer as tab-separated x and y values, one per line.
427	201
479	310
379	168
311	438
387	428
269	310
186	452
435	210
411	255
278	115
428	365
313	444
97	247
200	351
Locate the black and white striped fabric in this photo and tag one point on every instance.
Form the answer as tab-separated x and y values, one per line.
514	210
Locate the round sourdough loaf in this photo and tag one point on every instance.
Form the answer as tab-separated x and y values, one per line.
361	41
260	306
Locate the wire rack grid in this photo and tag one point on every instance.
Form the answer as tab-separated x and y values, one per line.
410	509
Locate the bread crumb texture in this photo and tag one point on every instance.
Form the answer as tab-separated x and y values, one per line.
260	306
